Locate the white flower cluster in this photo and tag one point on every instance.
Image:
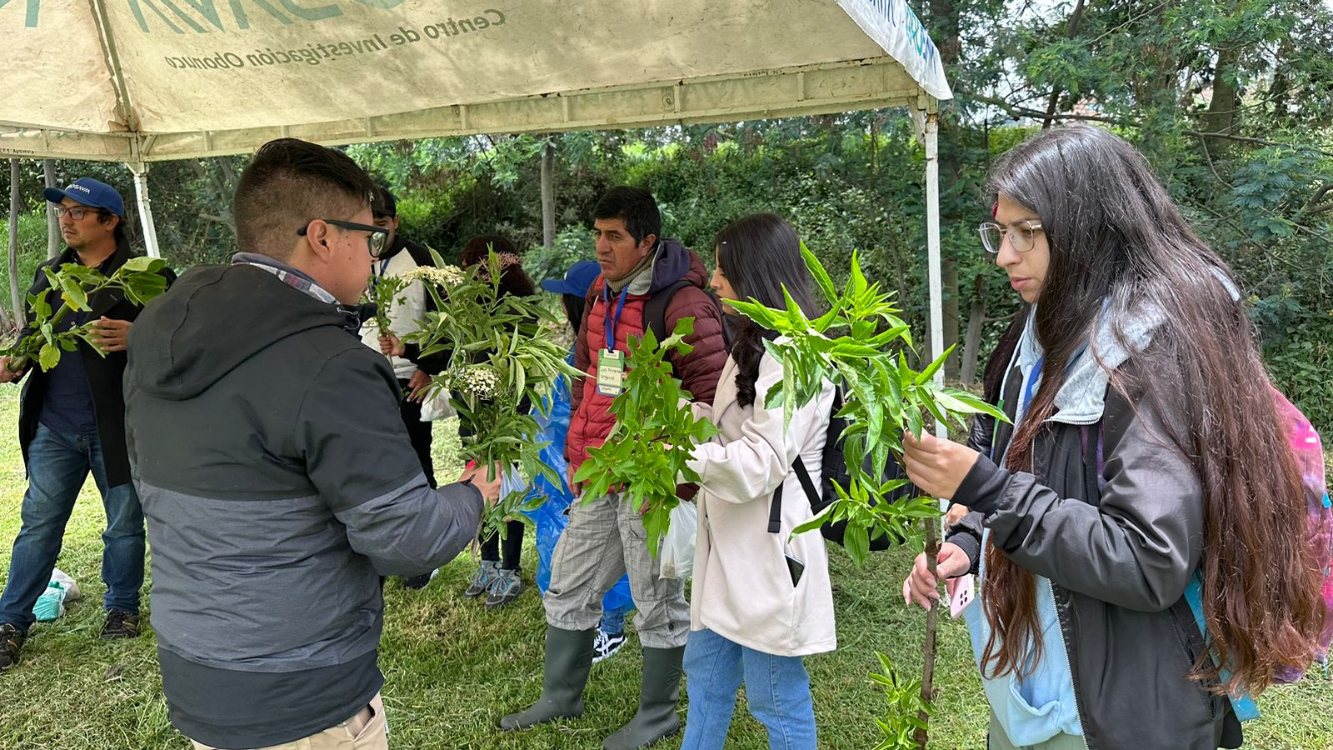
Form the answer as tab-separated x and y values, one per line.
444	276
480	381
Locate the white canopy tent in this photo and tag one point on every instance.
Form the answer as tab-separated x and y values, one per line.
138	81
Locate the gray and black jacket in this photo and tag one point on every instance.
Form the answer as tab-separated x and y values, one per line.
1119	546
279	485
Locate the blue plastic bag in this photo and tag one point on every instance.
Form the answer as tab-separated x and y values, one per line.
549	517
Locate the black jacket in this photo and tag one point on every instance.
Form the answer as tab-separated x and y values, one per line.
105	374
1119	550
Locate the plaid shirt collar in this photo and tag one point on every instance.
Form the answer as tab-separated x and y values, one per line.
289	276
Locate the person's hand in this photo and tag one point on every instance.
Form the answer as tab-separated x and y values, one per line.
7	375
417	386
110	335
937	466
391	345
569	474
489	488
956	514
923	588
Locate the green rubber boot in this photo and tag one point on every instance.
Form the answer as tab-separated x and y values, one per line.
568	661
657	702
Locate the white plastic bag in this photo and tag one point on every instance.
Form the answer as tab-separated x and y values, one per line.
436	406
71	588
677	549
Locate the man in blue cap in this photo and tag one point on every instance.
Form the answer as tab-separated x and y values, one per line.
72	423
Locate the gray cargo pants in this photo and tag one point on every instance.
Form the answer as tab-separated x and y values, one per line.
604	540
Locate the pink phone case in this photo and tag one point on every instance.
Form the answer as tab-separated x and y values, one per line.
962	595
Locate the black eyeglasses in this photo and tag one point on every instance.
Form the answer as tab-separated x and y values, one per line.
377	238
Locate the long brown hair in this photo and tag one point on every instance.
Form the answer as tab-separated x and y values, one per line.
1117	242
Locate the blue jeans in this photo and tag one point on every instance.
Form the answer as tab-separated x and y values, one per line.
613	621
776	687
58	465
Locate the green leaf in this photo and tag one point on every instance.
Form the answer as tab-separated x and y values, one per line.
49	356
821	276
931	369
73	295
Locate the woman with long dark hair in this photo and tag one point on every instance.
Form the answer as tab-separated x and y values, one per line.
761	599
1139	531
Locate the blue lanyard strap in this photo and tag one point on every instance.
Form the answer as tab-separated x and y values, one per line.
613	319
1029	390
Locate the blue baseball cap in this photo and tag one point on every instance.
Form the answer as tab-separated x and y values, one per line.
89	192
578	279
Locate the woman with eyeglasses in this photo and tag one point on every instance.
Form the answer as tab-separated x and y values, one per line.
1136	529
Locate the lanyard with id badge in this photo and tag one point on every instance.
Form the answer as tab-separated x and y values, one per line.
610	362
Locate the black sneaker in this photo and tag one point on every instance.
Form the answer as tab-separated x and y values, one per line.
11	643
606	645
120	624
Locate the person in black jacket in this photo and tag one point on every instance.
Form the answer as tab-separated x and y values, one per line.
72	423
276	475
1134	530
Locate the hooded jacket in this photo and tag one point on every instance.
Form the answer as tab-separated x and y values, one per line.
591	419
279	485
1111	513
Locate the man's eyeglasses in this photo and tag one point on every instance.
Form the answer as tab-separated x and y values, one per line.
74	212
1022	235
377	238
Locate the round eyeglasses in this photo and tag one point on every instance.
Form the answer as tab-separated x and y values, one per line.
1022	235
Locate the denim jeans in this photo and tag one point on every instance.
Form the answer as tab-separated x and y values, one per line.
776	687
613	621
58	465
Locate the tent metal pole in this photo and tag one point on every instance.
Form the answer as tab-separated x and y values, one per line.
145	209
933	246
933	258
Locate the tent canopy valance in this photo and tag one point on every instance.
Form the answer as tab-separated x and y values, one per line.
149	80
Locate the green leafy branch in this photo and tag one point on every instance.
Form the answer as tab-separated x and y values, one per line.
905	707
861	345
386	292
502	360
652	440
140	279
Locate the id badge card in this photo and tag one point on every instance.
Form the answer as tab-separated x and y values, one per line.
610	373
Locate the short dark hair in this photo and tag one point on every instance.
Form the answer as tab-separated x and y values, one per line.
634	206
290	182
384	205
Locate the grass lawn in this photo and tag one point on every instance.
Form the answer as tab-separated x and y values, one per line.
453	668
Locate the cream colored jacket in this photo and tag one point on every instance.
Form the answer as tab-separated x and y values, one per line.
742	589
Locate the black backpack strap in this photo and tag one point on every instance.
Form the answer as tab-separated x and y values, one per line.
775	512
807	484
654	310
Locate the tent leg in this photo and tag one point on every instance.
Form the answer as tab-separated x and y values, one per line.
145	209
933	244
933	256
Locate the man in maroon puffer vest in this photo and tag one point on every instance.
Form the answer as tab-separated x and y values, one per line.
605	538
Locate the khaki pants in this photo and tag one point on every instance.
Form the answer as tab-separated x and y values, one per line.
365	731
604	540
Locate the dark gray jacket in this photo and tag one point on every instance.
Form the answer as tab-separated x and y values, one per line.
1119	550
279	484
